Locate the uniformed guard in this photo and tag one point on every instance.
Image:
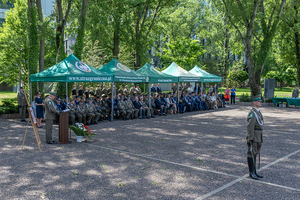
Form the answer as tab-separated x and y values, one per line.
130	106
99	91
254	137
174	88
104	104
126	91
133	91
144	106
138	89
120	90
73	113
104	90
92	111
195	102
295	93
50	112
22	104
82	111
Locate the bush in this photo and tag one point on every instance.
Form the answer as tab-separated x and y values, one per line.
245	98
9	106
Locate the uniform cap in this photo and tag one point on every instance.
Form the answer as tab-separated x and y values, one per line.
133	85
109	93
128	96
103	95
58	99
137	85
21	87
53	93
256	98
90	98
126	85
121	96
97	97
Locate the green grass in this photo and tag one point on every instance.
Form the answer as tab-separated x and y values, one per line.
285	92
7	95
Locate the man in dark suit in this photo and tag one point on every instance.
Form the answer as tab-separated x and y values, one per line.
160	106
197	89
158	88
138	105
153	90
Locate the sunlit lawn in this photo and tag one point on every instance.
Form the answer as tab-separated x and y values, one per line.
7	95
285	92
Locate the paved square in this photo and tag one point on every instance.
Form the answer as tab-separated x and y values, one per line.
198	155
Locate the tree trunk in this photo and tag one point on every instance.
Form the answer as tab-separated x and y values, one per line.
116	39
42	43
81	31
297	46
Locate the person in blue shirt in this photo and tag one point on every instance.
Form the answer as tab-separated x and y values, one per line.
153	90
190	99
196	101
160	106
158	88
232	96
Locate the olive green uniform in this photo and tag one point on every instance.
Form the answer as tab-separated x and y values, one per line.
130	106
73	114
92	111
255	122
174	89
150	106
147	109
209	102
295	93
104	104
133	91
83	112
98	92
50	113
22	104
120	91
104	91
138	90
124	110
125	92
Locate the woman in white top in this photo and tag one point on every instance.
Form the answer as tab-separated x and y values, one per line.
214	100
170	104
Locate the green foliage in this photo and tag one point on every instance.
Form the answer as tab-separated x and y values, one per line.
238	76
81	130
245	98
9	106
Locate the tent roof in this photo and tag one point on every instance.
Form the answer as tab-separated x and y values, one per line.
71	69
184	76
121	73
156	76
206	77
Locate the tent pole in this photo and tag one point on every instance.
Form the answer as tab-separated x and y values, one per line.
67	91
150	106
30	92
201	88
178	90
112	102
144	88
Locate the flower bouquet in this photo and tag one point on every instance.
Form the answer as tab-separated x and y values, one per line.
81	130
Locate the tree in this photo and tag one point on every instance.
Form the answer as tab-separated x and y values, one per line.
238	76
251	19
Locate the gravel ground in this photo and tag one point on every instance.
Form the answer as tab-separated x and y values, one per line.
187	156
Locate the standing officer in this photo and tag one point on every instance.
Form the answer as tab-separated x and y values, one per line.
254	137
22	104
126	91
120	90
158	88
92	111
50	112
73	113
104	90
98	91
133	91
138	89
295	93
174	88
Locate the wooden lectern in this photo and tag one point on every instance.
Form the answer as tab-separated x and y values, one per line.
64	128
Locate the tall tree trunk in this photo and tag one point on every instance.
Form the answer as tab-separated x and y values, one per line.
81	31
42	43
116	39
33	44
297	45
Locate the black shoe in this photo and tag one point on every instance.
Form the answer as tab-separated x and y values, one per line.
88	124
160	114
259	176
141	118
95	122
251	169
52	142
132	118
164	114
152	116
23	120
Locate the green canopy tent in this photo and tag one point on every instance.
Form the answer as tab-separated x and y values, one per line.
205	76
156	76
182	74
123	74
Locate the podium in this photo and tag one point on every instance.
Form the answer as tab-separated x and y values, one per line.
64	128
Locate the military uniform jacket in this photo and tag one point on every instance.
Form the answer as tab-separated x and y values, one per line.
82	109
22	99
73	108
104	91
255	122
295	93
90	108
120	91
143	104
203	99
50	109
122	105
133	91
104	103
98	92
129	104
174	89
138	90
126	92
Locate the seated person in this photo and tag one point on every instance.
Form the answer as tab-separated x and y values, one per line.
160	106
214	101
138	105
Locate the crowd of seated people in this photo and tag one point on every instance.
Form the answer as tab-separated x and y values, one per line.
90	107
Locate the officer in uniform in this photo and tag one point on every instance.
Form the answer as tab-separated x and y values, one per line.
104	104
73	113
120	90
131	107
195	101
174	88
82	111
151	103
203	101
98	91
144	106
126	91
133	91
50	113
254	137
138	90
123	109
92	111
295	93
209	101
22	104
104	90
109	89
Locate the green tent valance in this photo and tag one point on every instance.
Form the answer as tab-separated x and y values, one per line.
182	74
121	73
71	69
205	76
157	76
